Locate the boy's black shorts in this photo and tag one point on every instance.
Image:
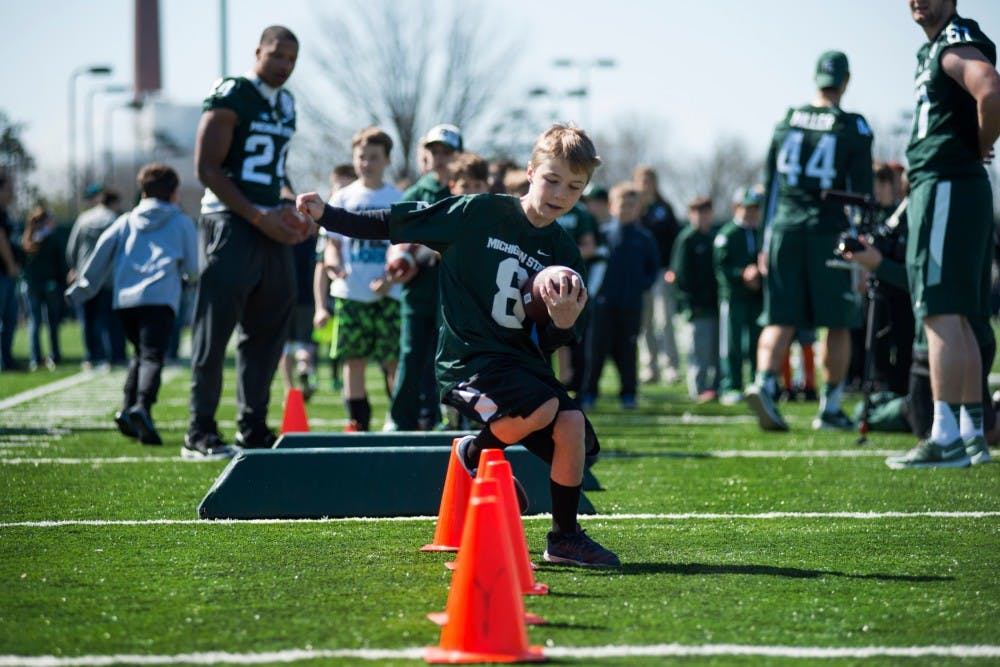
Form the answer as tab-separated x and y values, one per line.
505	390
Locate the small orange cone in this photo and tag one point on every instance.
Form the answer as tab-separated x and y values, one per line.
501	472
294	419
485	610
451	513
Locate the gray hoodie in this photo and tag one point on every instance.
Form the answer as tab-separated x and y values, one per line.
147	252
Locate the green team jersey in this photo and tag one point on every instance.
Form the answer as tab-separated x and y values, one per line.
488	249
697	291
420	295
734	248
256	158
944	142
815	149
578	222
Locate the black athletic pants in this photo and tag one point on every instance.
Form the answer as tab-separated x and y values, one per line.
148	329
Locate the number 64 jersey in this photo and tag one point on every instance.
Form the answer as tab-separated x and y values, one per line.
816	149
488	249
256	158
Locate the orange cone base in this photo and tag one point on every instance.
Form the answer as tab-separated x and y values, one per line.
441	618
438	547
436	655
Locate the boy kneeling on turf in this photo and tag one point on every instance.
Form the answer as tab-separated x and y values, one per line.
489	365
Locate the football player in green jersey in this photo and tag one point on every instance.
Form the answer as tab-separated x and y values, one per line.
815	147
246	239
490	361
950	244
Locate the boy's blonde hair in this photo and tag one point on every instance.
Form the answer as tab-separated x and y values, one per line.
470	167
373	136
569	143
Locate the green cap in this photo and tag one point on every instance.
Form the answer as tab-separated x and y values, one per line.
831	70
595	191
752	196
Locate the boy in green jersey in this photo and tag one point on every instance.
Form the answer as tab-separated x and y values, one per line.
490	361
950	244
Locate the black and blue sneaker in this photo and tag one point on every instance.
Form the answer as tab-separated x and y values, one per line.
142	423
577	548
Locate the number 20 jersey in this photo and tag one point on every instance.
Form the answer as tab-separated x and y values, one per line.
815	149
488	249
256	158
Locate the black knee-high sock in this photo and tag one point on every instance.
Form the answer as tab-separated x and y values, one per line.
484	440
360	410
565	501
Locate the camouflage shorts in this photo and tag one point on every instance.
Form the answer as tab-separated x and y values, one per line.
366	330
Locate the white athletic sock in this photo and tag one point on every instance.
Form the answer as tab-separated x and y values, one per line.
944	430
968	425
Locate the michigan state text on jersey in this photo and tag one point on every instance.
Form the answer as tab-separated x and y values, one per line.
256	158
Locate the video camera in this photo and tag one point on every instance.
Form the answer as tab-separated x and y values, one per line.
888	236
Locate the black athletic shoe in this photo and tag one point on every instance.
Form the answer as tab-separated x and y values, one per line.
577	549
124	427
205	446
462	451
255	437
142	423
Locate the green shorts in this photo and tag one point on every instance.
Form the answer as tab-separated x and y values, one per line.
800	290
366	330
949	251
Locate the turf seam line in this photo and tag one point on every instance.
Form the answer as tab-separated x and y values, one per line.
689	516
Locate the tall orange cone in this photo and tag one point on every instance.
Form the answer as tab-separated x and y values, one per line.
485	610
502	473
294	419
451	513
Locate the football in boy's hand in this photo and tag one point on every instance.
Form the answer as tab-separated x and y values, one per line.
399	263
531	295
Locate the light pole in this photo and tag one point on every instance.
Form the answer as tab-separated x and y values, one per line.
583	92
88	124
109	162
93	70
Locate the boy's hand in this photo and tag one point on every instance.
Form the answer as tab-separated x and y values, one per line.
380	286
320	317
311	205
564	300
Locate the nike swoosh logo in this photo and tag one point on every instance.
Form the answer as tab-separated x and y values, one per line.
542	253
946	453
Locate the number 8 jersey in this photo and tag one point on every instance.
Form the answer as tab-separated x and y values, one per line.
256	158
816	149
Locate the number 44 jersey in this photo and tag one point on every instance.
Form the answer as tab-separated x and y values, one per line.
256	158
816	149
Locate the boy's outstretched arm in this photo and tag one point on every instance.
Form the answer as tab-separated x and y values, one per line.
373	225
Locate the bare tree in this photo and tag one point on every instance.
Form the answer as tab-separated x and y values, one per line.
407	67
633	140
728	165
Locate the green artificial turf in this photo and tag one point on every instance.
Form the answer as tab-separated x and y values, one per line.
788	548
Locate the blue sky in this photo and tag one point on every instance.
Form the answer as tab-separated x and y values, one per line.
697	68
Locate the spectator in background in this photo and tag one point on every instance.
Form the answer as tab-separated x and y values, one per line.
103	338
694	278
633	265
366	301
298	359
42	285
515	182
415	403
737	245
10	269
498	175
148	253
658	311
341	176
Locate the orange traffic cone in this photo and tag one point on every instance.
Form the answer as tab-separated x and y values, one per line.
294	419
451	513
501	471
486	457
485	610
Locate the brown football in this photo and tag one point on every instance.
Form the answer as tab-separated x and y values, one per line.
531	296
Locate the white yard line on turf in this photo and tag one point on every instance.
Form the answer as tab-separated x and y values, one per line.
581	652
722	454
46	389
682	516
